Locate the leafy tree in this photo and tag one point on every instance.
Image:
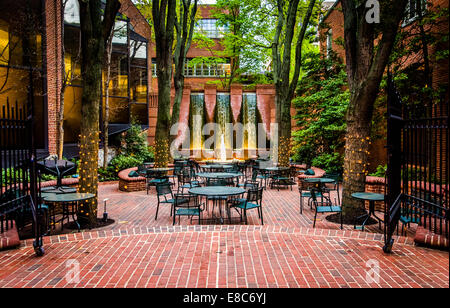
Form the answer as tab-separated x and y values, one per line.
173	24
321	104
422	43
285	83
367	50
243	41
95	26
184	25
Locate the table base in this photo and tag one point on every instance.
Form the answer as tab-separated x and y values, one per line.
367	216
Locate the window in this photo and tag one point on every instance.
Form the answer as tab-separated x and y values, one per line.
72	12
21	55
210	28
329	42
72	55
154	68
206	69
128	79
414	9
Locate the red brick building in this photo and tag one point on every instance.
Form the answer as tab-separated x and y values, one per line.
53	27
332	33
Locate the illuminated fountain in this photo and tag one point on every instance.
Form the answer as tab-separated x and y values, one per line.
228	145
223	150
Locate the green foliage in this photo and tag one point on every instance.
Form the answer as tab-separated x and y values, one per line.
117	164
408	61
321	103
330	162
381	171
135	152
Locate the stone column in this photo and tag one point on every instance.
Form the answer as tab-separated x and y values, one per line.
210	102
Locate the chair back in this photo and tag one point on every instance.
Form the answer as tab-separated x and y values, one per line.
179	200
216	182
255	195
184	176
303	185
163	189
316	203
334	176
251	184
177	166
292	172
141	170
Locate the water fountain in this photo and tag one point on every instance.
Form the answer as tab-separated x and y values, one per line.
228	144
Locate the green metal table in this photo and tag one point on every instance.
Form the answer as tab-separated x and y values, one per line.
219	175
69	204
220	192
371	197
217	167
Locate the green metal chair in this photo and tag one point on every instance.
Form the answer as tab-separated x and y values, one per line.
334	186
324	207
186	180
284	178
253	201
187	205
408	215
165	196
304	189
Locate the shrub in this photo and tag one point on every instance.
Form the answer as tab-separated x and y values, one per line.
331	163
381	171
321	104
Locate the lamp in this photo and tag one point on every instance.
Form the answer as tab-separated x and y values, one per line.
105	214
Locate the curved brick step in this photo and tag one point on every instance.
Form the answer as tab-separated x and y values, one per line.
429	239
328	233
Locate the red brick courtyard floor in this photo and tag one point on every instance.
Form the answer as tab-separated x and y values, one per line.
137	251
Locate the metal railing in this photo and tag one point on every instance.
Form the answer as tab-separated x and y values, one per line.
418	172
18	180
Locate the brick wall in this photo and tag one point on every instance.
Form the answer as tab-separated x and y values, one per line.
53	41
53	61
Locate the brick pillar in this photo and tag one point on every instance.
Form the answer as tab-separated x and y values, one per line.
210	101
53	43
265	96
184	114
152	116
236	100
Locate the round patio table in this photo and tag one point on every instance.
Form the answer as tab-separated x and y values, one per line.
276	168
59	168
319	180
371	197
217	167
219	175
69	203
320	183
218	191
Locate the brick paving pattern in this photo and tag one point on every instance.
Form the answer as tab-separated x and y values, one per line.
138	251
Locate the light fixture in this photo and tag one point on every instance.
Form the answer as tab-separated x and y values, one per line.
105	214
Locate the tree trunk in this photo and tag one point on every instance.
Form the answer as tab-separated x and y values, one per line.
162	133
355	162
90	134
178	85
94	33
365	66
283	117
164	15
